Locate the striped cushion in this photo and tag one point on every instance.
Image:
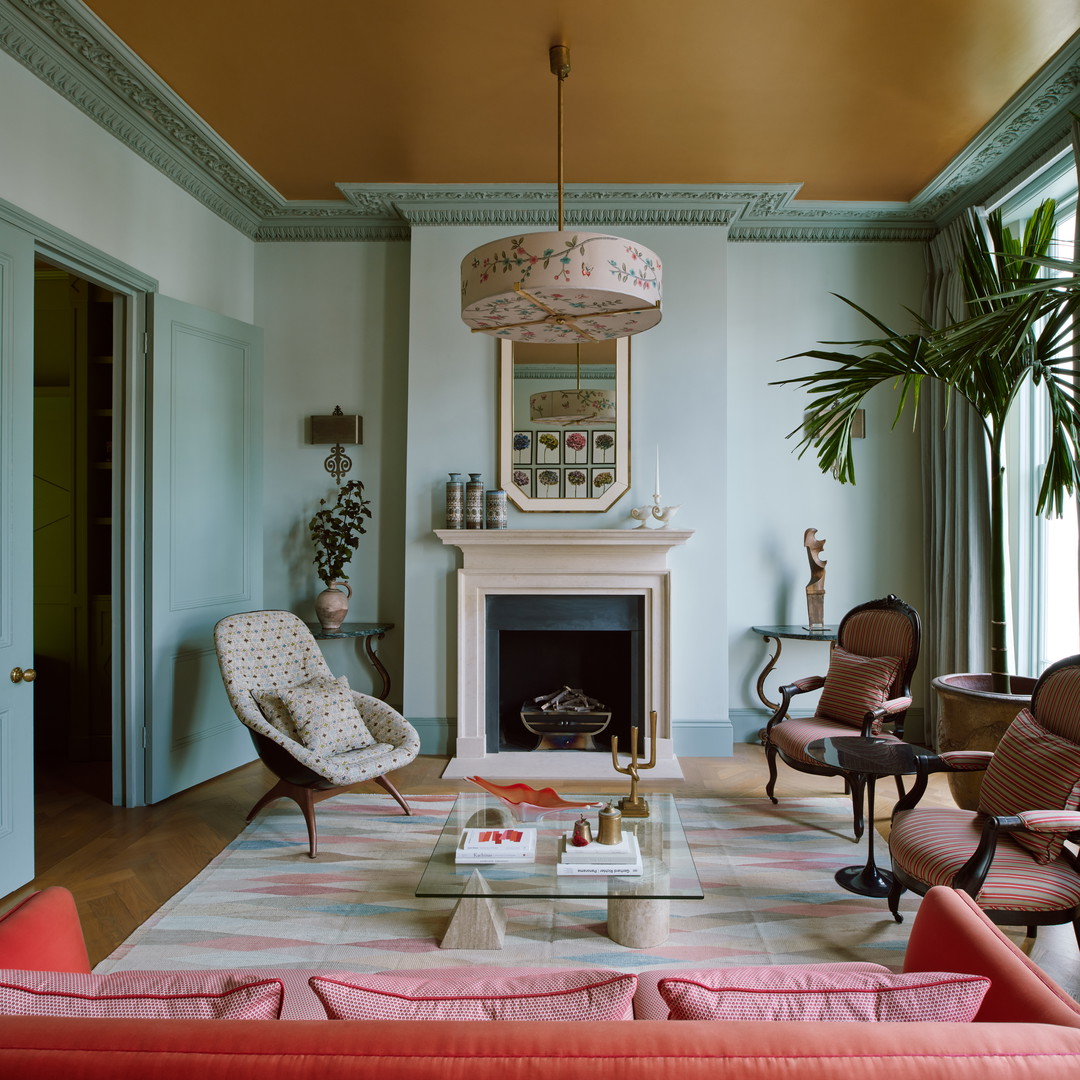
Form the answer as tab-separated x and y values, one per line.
1058	704
793	736
478	994
931	845
855	685
830	992
1032	769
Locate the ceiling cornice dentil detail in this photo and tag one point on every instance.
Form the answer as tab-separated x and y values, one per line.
70	49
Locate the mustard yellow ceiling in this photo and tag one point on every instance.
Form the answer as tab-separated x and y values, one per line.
855	99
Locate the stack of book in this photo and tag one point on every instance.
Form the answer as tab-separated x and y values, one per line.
595	860
496	846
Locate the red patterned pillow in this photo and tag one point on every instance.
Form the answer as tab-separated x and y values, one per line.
1032	769
823	992
156	995
855	685
477	994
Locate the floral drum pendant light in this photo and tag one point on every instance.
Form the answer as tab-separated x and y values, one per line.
561	287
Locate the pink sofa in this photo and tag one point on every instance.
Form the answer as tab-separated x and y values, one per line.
1026	1027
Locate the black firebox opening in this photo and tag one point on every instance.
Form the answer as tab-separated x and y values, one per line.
539	644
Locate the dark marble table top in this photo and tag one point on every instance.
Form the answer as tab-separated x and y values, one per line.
871	756
350	629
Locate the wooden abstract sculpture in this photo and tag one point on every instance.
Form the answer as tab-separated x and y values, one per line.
815	589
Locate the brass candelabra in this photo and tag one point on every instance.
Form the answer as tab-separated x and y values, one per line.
633	805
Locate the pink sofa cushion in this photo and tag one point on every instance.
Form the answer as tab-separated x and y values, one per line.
823	992
1032	769
855	685
208	995
478	994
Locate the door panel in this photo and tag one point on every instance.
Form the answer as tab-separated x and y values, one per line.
16	557
205	547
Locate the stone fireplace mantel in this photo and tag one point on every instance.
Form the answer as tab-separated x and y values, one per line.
589	562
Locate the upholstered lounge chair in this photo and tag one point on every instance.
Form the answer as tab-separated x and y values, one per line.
1010	854
283	692
870	669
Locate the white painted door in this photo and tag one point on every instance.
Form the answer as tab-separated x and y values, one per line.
16	558
204	550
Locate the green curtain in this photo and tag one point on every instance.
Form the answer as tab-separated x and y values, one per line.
956	515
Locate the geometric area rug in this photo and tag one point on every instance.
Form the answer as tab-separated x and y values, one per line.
767	873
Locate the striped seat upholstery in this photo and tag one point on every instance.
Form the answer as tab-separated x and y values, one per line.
793	736
931	845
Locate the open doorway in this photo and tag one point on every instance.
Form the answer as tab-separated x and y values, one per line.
76	328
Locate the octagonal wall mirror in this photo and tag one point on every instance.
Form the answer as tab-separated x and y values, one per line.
564	424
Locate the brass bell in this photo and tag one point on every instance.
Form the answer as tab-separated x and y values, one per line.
582	834
610	825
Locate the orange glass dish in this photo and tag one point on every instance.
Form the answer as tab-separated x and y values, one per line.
530	803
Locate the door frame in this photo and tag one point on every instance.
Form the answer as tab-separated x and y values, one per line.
129	737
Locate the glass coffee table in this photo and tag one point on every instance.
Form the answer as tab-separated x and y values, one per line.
638	908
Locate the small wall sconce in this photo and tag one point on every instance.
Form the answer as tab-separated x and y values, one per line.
339	431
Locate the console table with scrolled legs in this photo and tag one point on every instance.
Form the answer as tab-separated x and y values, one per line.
370	633
779	634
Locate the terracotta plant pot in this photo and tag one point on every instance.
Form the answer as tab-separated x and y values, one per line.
332	605
972	717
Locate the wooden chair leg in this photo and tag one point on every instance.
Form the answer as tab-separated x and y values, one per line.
305	798
384	783
281	790
770	758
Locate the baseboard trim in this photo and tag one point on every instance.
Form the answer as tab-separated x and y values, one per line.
703	738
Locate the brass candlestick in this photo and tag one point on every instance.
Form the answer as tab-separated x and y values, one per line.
633	806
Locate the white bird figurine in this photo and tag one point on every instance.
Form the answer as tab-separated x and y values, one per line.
665	514
641	513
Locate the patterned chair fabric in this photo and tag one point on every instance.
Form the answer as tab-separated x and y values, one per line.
887	630
1010	854
274	651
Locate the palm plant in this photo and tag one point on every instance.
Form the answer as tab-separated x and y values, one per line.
1020	328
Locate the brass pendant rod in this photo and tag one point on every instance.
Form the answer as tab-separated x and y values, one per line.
559	57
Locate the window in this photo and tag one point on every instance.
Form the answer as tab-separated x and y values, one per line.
1044	552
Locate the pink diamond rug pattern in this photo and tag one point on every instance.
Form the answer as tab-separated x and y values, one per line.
767	873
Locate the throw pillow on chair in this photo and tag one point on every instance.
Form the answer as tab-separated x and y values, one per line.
855	685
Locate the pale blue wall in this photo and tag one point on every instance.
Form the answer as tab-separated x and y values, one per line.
781	303
377	326
335	318
677	401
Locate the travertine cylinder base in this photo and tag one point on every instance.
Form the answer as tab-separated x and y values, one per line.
638	924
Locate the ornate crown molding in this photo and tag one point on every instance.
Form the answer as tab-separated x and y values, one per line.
69	48
1035	120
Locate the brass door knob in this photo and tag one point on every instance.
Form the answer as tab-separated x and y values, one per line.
19	675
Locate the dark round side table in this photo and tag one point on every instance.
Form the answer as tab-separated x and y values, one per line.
871	757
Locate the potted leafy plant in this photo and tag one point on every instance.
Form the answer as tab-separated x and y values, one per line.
1019	328
335	533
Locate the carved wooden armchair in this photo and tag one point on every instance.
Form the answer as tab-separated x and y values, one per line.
1011	853
867	686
